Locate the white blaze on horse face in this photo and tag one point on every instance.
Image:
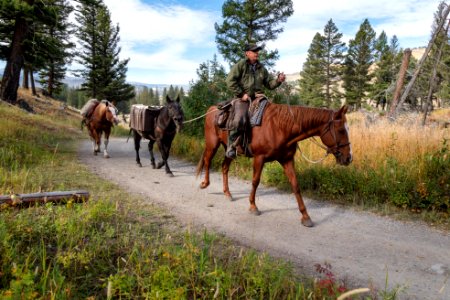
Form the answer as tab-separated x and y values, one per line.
348	134
113	112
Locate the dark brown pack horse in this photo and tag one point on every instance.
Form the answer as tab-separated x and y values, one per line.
100	121
167	121
276	140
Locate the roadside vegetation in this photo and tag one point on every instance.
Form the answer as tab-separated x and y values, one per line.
117	246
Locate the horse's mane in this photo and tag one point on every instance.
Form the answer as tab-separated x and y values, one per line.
290	115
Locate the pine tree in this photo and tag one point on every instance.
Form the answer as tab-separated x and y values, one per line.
313	76
105	74
19	17
334	58
251	21
357	63
209	89
387	66
56	50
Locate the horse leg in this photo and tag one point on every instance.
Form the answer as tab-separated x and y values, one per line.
96	137
164	150
258	164
106	142
225	168
137	145
150	150
212	144
289	170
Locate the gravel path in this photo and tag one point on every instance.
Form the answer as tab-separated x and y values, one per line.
361	247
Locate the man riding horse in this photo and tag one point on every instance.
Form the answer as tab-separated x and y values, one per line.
246	80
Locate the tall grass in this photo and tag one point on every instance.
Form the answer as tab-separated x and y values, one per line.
399	167
114	245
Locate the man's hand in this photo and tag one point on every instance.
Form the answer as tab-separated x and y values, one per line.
281	77
245	97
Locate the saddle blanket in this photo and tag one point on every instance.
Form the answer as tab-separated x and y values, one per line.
143	117
257	111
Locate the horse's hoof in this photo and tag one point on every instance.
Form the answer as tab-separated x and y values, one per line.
255	212
159	166
204	185
229	197
307	223
106	156
139	164
95	153
170	174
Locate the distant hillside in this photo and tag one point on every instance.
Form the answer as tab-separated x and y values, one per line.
75	82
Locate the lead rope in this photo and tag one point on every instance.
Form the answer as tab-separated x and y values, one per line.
195	119
312	161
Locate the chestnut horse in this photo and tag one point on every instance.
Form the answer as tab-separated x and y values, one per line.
100	121
276	140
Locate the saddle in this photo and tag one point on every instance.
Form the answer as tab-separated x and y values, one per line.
255	112
225	120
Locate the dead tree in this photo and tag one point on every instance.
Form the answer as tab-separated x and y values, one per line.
400	80
422	60
428	101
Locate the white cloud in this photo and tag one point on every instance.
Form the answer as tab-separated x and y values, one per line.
167	43
161	39
409	20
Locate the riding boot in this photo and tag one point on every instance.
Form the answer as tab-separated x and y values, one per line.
233	135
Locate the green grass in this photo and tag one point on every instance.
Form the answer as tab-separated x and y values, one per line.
115	246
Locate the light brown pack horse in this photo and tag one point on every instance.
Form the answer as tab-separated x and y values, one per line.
276	140
100	122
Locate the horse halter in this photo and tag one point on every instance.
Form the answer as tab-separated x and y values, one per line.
335	149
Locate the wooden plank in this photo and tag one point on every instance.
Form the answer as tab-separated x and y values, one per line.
44	197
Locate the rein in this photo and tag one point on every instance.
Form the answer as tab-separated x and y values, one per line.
327	149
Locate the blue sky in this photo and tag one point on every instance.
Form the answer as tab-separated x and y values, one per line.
166	41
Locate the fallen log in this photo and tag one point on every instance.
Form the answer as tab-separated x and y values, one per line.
44	197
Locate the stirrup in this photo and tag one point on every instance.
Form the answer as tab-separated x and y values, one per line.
231	152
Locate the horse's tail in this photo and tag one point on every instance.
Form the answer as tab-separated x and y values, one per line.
129	133
200	165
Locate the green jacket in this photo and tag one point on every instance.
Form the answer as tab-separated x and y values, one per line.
242	79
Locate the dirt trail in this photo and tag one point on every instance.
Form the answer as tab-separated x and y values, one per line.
362	247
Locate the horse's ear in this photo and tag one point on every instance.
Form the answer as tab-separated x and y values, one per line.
168	99
341	112
178	98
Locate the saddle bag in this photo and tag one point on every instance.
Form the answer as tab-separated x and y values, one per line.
222	117
143	117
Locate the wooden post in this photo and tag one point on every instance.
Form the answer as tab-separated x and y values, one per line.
400	80
44	197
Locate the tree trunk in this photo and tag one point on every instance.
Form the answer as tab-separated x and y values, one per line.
15	61
400	80
25	78
33	87
50	83
44	197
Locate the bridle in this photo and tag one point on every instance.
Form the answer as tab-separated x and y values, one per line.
335	149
